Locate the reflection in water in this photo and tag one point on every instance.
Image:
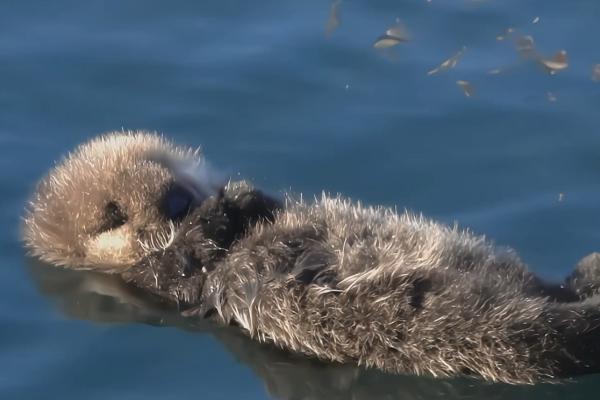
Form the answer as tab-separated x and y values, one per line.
104	298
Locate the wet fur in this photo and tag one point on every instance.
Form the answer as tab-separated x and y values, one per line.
331	279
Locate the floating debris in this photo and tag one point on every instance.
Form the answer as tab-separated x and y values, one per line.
494	71
557	63
466	88
449	63
393	36
386	41
551	97
535	20
596	73
509	31
333	21
347	87
561	197
525	47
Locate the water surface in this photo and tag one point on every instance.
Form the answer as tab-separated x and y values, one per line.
270	97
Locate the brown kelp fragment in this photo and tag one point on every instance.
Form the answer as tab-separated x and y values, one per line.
333	22
526	47
596	73
393	36
449	63
558	62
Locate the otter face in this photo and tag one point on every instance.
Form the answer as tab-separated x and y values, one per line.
113	200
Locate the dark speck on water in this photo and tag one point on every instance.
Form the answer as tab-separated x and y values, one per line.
272	98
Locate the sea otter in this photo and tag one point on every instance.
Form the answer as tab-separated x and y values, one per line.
331	279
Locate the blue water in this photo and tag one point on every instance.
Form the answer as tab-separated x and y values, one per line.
270	97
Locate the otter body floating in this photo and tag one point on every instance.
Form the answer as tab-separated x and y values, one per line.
331	279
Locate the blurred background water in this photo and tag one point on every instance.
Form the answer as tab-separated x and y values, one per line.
270	96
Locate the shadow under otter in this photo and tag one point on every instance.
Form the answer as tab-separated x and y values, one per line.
108	299
330	279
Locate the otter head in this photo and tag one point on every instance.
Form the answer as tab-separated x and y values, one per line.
123	198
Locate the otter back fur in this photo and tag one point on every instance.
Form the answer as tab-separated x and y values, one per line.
331	279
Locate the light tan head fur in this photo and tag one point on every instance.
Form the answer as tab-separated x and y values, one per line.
102	206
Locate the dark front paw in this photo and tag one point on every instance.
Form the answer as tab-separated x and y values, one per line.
172	274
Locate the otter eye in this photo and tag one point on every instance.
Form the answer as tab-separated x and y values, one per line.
177	202
114	217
